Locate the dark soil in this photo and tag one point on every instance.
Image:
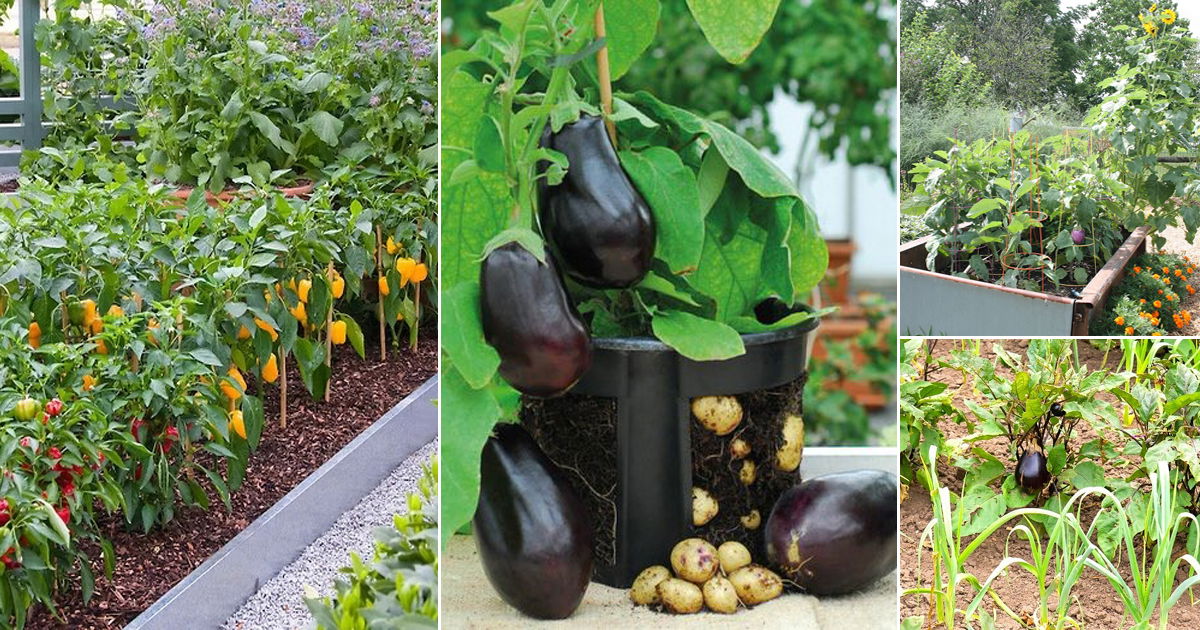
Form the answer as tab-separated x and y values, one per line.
148	565
579	434
1095	604
9	186
715	470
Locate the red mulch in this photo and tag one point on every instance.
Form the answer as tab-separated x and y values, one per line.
148	565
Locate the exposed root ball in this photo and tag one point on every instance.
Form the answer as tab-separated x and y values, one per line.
694	560
719	414
704	506
645	587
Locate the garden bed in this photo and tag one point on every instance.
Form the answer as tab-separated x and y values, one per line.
936	303
1095	604
148	565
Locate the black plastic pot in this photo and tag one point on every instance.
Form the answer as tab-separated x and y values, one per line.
652	386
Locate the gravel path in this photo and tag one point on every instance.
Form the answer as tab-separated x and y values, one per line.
1177	244
279	604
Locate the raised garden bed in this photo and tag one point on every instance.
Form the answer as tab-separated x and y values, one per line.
148	565
936	303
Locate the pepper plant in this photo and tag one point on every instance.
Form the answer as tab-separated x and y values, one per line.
731	229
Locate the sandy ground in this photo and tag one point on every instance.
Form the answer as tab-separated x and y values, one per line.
468	601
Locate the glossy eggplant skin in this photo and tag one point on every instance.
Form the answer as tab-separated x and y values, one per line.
529	319
836	533
595	220
533	532
1032	472
1056	410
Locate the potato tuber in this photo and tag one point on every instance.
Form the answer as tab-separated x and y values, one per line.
732	555
739	448
719	414
680	596
787	458
748	473
752	520
704	506
645	587
720	596
694	560
755	584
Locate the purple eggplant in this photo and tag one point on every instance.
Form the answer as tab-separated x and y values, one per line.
836	533
595	220
1032	473
529	319
533	532
1077	236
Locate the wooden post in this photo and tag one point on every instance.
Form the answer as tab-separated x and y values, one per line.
414	325
328	325
378	275
605	77
283	379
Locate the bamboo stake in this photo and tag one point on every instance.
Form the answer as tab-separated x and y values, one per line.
379	274
66	319
283	379
605	76
415	324
328	325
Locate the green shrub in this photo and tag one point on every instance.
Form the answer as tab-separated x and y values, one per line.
399	587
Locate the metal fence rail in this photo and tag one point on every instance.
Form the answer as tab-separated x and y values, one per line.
28	132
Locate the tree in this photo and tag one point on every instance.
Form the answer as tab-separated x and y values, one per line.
934	72
1104	42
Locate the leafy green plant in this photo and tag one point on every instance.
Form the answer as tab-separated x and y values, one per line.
399	588
732	230
1157	87
1020	213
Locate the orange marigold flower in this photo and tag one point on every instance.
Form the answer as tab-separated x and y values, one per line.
1160	292
1157	277
1120	320
1166	270
1171	298
1157	303
1156	334
1143	300
1191	290
1137	269
1129	330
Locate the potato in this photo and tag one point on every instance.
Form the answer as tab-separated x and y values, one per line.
748	473
719	414
732	555
694	560
704	506
756	584
645	587
739	448
787	458
680	596
720	596
752	520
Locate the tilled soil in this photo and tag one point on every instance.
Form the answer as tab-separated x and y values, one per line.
1095	604
148	565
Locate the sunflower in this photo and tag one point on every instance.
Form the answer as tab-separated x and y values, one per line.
1151	28
1168	16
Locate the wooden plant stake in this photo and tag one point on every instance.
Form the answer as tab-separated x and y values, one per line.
605	77
378	275
328	326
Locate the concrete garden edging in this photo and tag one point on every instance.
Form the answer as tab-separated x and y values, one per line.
216	589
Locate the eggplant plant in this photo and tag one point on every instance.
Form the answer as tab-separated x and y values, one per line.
664	223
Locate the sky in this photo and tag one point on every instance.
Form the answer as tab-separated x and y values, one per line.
1189	9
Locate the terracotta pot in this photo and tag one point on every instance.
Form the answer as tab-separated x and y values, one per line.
226	196
842	329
